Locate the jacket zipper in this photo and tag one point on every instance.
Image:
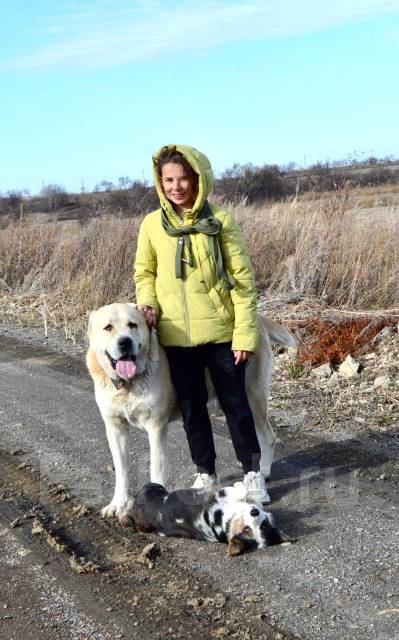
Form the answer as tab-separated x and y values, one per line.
186	316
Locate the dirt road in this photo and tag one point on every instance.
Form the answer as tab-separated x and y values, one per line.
66	574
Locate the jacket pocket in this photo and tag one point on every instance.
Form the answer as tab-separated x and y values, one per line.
222	304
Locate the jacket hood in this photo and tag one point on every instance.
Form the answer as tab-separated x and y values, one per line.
201	165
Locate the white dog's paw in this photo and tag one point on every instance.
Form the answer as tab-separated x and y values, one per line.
124	514
120	510
109	511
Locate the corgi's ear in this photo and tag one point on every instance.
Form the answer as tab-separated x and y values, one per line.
238	545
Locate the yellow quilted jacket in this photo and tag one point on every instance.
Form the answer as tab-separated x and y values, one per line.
196	309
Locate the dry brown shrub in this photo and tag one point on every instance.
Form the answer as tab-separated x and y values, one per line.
331	341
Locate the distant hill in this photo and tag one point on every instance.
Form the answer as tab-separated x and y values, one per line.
241	182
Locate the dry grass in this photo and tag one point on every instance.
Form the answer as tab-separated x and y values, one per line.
326	248
56	273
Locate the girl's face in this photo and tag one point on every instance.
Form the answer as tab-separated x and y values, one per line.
177	186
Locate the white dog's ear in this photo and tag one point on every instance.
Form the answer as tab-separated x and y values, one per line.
132	304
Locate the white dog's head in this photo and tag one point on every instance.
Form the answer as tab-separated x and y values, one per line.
119	336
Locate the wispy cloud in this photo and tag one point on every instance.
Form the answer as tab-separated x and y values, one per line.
110	32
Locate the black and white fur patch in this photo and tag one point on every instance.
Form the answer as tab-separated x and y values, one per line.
223	515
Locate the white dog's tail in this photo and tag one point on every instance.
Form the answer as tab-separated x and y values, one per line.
278	333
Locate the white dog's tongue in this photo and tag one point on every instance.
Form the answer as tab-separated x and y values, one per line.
125	369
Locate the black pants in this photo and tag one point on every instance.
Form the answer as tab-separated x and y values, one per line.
187	368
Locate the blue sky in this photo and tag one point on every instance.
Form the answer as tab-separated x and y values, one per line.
89	90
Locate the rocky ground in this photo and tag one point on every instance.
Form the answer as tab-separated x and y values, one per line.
358	399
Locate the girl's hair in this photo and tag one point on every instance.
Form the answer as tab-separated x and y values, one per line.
170	154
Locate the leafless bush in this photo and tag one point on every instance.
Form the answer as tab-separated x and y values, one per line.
255	184
54	196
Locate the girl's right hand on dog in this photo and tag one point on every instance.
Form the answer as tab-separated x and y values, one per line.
149	314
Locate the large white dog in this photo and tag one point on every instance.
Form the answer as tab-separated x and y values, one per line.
133	387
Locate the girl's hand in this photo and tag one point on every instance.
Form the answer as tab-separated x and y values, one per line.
149	314
242	356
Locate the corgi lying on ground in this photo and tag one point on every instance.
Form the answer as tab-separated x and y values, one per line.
219	515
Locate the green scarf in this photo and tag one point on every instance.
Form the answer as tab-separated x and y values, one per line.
211	226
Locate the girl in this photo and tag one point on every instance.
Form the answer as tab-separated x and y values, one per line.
194	281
